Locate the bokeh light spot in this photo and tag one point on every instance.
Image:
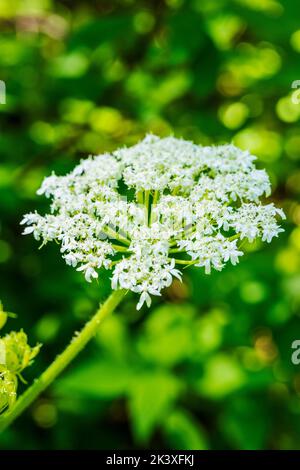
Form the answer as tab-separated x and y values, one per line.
45	414
253	292
5	251
143	22
234	115
286	110
295	40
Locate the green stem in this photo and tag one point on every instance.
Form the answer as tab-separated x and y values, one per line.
155	197
113	234
146	198
154	203
120	248
78	342
140	197
185	262
176	250
147	203
234	237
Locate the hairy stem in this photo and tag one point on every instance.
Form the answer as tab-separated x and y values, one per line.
78	342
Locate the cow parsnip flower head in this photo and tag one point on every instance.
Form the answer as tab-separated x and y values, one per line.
185	205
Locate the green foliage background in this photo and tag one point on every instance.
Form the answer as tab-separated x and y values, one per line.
209	365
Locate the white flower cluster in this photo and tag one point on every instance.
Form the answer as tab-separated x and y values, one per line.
185	205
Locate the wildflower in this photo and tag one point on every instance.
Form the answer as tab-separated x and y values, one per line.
8	388
15	356
18	353
190	205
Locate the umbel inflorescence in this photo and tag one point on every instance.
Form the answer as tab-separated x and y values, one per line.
144	212
15	356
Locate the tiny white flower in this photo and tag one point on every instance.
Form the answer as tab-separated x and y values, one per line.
71	259
145	297
28	230
89	272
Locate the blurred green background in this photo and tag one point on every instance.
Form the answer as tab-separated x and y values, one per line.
209	365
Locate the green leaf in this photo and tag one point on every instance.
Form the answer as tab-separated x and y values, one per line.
108	29
245	422
166	327
223	375
151	396
97	379
183	432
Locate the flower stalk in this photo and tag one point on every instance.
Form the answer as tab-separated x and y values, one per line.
78	342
